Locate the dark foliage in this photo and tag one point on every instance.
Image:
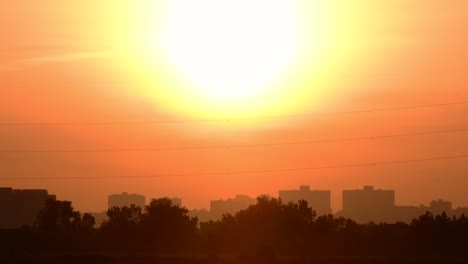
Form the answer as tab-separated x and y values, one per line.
160	226
267	230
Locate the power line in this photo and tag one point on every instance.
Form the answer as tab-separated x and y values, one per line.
242	172
227	119
236	145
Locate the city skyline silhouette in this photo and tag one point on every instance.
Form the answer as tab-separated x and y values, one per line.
366	205
233	131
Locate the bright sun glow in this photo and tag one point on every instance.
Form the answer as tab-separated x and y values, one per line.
237	58
230	50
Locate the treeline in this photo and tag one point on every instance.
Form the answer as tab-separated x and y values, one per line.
267	228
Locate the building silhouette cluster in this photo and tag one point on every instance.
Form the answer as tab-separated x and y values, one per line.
320	200
362	205
139	200
126	200
375	205
20	207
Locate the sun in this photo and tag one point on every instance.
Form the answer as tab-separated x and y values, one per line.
225	59
242	59
229	50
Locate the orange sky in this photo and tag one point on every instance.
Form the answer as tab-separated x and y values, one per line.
57	64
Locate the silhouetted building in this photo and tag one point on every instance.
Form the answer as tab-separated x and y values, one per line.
404	214
440	206
461	211
176	201
203	215
125	199
100	218
369	204
21	207
232	206
319	200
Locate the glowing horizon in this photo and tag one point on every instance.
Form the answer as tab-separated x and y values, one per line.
117	63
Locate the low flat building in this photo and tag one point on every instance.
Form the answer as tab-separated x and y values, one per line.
369	204
404	214
203	215
176	201
461	211
231	206
125	199
21	207
440	206
100	218
319	200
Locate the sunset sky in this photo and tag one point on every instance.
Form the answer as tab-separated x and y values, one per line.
217	98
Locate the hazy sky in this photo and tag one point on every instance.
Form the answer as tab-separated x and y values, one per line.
85	62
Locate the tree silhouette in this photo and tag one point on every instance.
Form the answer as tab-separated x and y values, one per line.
88	221
266	226
61	227
60	217
265	229
166	225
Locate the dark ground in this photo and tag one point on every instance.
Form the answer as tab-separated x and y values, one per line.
244	259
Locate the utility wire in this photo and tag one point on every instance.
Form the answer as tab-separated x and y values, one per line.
236	145
228	119
243	172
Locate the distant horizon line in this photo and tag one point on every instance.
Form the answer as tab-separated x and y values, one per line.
236	196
